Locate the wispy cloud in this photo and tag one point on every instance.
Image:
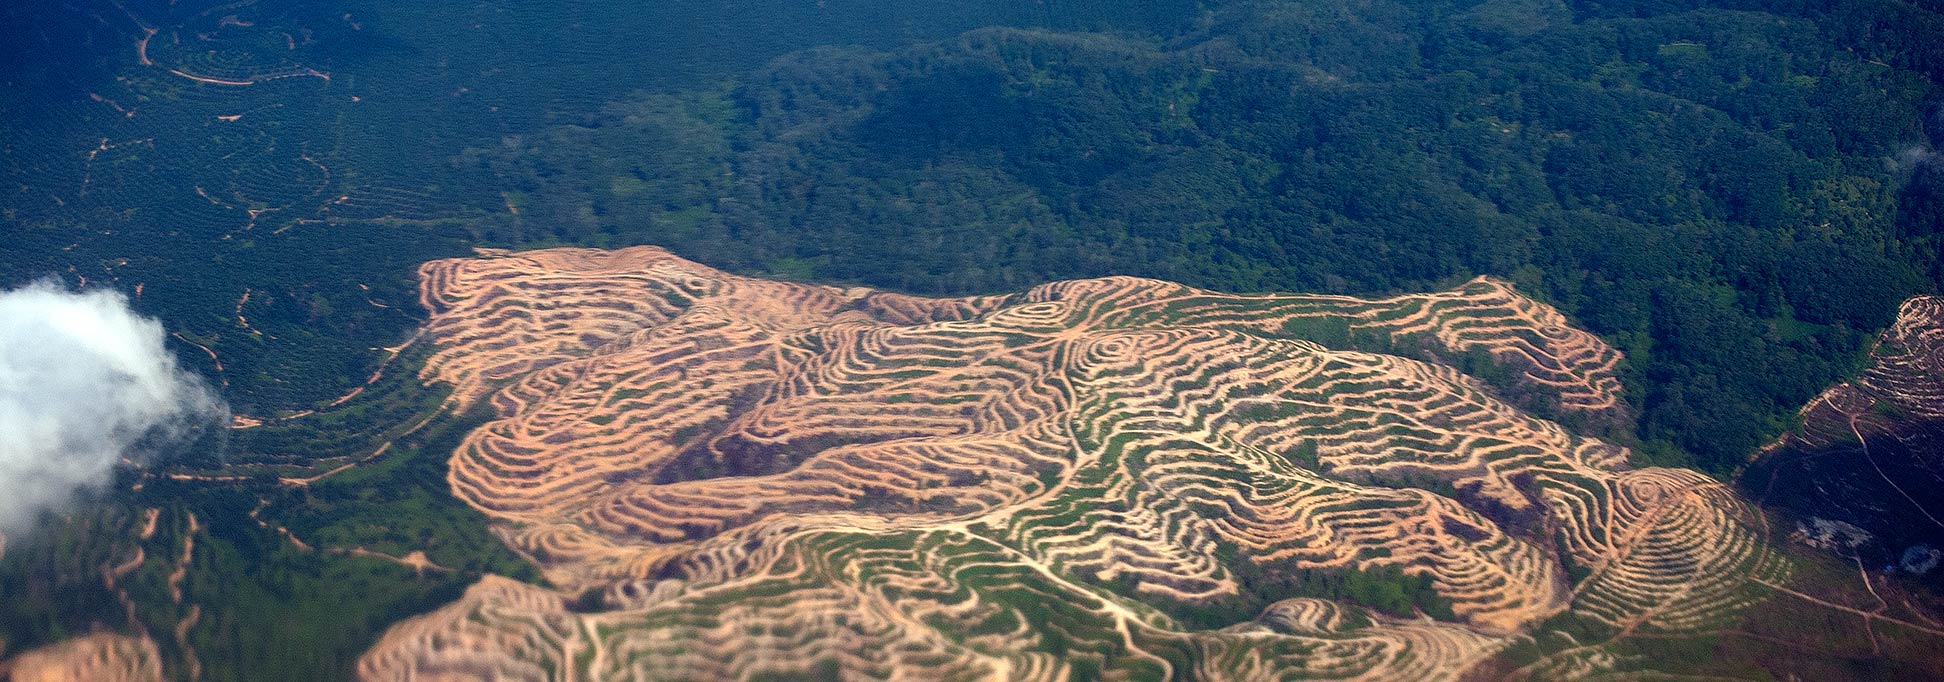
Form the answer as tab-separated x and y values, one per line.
1914	156
84	382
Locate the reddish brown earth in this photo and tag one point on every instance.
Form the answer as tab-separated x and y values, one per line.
747	476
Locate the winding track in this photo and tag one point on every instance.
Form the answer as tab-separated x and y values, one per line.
764	477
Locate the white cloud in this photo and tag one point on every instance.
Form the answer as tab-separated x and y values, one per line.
84	382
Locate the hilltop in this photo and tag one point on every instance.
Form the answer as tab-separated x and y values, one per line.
729	476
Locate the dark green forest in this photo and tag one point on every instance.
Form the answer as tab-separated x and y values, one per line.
1737	199
1735	194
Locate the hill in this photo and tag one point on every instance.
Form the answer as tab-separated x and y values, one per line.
1862	472
728	477
1656	232
266	176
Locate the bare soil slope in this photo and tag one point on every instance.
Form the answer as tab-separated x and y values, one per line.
730	477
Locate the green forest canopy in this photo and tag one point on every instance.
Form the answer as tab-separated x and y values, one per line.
1735	199
1735	194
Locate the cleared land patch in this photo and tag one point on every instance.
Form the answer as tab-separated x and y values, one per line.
730	477
1861	473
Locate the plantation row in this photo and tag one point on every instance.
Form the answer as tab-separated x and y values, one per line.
1119	477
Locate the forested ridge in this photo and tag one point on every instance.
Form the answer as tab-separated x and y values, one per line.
1736	194
1735	198
264	176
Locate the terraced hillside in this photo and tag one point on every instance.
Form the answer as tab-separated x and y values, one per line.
1116	478
99	657
1862	472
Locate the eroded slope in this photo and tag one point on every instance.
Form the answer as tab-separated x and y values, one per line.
751	476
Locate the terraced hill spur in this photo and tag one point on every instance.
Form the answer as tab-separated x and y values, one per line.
1114	478
1863	473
